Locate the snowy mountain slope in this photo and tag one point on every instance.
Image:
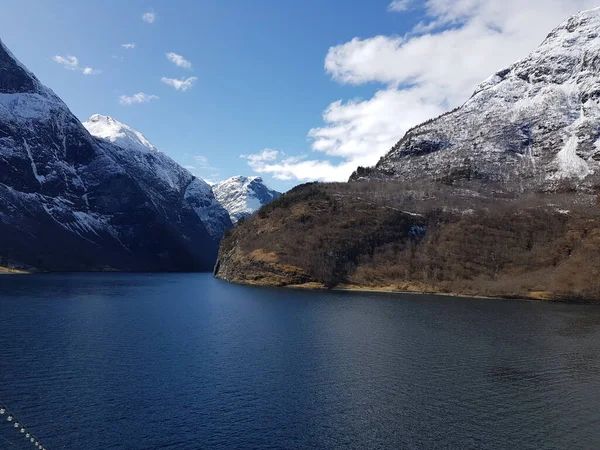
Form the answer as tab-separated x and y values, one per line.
71	202
533	125
158	173
118	133
242	196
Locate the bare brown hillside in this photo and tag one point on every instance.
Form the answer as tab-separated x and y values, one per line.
435	238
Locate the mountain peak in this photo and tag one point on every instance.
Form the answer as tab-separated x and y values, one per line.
242	179
101	118
110	129
589	13
242	196
575	31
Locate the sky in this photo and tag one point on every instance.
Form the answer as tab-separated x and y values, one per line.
293	91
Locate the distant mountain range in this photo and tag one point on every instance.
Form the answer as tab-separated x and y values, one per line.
98	195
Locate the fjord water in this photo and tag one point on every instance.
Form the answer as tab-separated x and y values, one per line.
183	361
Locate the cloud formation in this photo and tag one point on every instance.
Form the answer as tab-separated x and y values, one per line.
140	97
149	17
182	84
433	68
128	46
179	60
265	155
400	5
90	71
71	62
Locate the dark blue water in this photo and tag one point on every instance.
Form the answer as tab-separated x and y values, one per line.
119	361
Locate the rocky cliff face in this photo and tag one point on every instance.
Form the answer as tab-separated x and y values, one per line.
243	196
158	173
533	125
69	201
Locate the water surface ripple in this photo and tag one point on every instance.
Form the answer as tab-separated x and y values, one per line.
183	361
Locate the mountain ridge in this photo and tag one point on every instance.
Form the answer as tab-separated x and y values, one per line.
532	125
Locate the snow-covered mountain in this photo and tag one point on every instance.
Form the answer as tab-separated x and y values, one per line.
159	173
242	196
118	133
70	201
533	125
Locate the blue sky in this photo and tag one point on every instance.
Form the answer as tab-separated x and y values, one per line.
267	71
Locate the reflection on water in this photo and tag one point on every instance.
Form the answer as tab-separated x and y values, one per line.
180	361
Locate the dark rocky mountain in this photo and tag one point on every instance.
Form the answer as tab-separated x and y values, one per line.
69	201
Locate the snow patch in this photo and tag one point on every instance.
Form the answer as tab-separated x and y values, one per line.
38	177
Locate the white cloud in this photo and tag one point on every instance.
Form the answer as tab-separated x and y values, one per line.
179	60
69	61
189	167
400	5
140	97
432	69
128	46
72	63
90	71
296	168
182	84
267	154
149	17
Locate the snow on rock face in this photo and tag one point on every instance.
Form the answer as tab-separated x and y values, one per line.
531	125
242	196
69	201
118	133
138	153
158	173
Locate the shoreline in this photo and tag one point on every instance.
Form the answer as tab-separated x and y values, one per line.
536	296
9	271
374	290
439	294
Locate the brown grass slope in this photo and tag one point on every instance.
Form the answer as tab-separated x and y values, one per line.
383	235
